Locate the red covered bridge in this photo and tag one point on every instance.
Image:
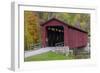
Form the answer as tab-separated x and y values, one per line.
55	32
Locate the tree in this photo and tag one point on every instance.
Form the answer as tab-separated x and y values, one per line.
31	26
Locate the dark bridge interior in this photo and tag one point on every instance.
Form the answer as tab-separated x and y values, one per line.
55	36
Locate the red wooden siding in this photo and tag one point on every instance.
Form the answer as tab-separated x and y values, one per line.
77	38
65	36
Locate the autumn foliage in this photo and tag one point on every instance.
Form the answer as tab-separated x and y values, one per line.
31	35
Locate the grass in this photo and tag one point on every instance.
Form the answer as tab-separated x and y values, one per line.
48	56
83	56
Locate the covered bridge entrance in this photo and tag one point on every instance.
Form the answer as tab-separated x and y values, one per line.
55	35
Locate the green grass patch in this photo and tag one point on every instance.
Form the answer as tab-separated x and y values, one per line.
48	56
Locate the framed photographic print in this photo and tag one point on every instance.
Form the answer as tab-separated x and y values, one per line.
52	36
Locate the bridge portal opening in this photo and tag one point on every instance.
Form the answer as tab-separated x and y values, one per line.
55	36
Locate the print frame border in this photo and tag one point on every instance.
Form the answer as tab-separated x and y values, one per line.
17	54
